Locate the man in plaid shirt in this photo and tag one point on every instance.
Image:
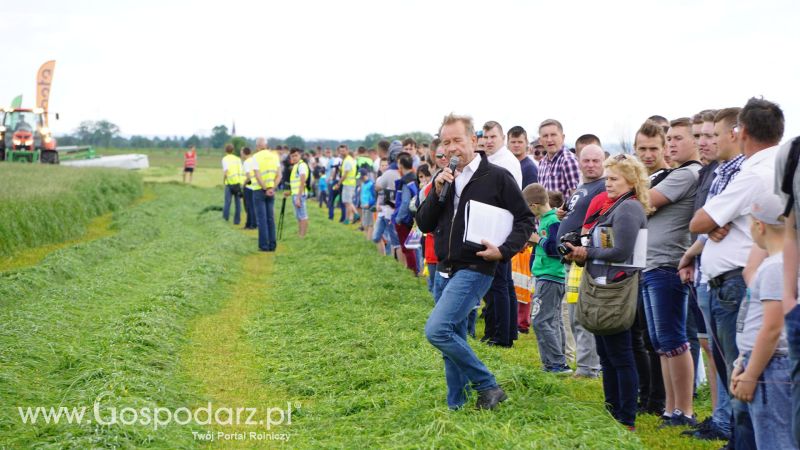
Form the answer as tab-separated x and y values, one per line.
558	171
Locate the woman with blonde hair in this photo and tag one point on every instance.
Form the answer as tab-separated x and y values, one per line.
617	215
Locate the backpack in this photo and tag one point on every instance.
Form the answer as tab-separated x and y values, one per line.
408	219
787	183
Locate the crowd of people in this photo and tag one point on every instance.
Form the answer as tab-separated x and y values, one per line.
693	231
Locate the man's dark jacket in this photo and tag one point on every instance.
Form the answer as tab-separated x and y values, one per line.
492	185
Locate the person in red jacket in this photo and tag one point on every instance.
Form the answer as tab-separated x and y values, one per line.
189	163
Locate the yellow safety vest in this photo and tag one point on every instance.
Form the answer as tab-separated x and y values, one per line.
521	274
349	178
294	179
234	175
268	165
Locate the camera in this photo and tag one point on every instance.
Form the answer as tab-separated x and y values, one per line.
573	237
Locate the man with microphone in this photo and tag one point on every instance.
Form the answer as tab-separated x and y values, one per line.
464	274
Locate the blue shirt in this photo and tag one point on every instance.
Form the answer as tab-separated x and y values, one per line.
368	194
530	174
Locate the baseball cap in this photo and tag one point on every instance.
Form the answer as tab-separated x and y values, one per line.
768	209
479	133
536	143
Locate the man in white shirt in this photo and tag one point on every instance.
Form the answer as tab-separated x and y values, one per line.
729	257
500	315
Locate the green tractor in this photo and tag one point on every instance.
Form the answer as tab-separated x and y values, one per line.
24	136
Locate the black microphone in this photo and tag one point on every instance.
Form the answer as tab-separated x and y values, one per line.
446	185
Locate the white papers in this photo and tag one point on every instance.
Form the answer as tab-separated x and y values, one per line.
486	222
604	236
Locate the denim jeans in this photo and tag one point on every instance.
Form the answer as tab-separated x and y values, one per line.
384	229
620	381
722	414
446	329
546	313
771	405
793	336
249	209
586	347
665	302
226	209
725	301
431	276
264	206
331	201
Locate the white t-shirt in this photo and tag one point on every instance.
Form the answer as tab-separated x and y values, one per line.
767	287
505	159
755	180
247	168
463	178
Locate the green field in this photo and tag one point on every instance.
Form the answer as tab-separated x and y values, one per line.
173	308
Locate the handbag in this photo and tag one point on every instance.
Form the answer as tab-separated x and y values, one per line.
414	239
605	309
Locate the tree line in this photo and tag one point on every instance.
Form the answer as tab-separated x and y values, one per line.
103	133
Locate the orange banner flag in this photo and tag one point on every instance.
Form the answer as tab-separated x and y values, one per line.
44	78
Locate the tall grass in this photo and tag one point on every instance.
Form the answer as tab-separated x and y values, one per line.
42	204
109	317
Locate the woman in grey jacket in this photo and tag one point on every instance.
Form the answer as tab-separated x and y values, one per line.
613	241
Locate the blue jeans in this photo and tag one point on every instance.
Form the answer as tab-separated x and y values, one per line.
665	302
725	301
793	336
431	276
771	405
249	209
226	209
546	321
264	206
385	229
331	201
722	415
446	329
620	379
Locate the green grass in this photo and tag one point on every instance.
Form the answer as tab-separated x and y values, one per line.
176	309
110	317
342	334
207	158
44	204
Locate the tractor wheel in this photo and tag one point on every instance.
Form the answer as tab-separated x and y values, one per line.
49	157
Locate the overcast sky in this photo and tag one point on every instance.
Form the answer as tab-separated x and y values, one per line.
342	69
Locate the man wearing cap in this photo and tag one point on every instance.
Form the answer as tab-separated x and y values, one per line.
537	152
385	190
729	257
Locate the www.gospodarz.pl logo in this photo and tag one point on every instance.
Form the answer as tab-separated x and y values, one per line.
157	416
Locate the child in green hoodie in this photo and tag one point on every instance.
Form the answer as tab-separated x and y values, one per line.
549	273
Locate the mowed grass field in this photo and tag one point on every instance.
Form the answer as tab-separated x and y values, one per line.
175	308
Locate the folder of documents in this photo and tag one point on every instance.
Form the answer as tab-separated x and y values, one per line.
487	222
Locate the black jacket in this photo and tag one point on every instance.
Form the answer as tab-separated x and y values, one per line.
492	185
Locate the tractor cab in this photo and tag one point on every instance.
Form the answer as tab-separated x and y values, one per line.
24	136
